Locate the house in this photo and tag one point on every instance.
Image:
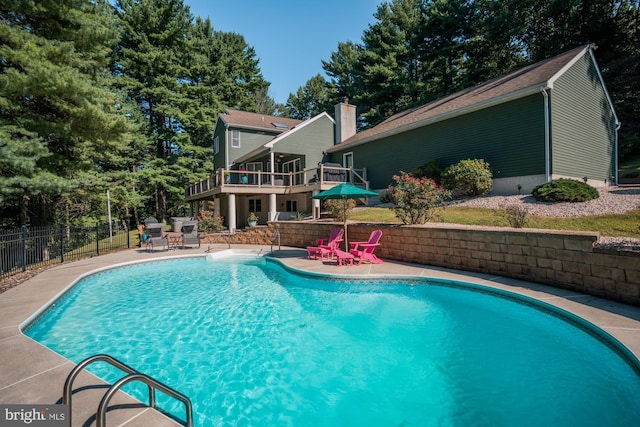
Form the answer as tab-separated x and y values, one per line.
271	166
553	119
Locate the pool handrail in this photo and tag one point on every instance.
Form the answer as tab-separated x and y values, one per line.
227	233
133	375
276	236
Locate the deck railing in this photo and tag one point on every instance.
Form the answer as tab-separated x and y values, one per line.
258	179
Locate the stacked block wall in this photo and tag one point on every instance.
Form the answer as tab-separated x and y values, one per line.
562	259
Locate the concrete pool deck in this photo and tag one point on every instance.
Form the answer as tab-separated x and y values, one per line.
32	374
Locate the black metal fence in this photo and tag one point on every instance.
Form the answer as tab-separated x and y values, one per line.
26	247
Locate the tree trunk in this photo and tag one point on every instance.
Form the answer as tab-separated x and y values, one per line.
162	203
24	209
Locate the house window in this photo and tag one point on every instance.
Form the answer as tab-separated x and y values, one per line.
255	205
235	138
216	145
292	206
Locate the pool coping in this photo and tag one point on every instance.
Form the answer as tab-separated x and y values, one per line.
32	374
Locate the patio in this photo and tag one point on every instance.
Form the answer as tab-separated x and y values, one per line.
33	374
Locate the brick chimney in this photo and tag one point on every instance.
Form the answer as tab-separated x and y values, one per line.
345	121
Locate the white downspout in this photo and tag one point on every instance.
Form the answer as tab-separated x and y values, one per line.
547	137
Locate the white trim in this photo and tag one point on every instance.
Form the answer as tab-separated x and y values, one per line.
568	65
547	137
275	140
233	133
604	87
344	163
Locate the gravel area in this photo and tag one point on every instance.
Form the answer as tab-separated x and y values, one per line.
611	201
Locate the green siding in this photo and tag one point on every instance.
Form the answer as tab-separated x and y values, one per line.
249	141
309	142
583	125
509	136
218	159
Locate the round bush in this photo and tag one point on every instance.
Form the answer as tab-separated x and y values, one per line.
564	190
431	169
468	177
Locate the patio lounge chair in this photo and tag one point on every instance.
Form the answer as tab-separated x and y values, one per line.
329	248
190	234
364	250
155	237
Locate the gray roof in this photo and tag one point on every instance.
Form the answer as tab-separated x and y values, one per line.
518	84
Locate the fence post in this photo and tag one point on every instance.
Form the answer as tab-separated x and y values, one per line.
97	239
24	248
126	229
62	234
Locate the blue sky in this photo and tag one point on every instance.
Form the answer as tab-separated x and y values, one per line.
290	37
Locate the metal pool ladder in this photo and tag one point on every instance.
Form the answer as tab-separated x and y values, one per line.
133	375
276	236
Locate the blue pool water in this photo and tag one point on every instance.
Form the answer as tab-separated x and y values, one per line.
254	344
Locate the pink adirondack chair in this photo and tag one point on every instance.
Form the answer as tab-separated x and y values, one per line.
327	249
364	250
333	242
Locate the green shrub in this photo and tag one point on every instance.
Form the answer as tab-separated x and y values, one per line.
385	197
298	216
468	177
516	215
209	222
431	169
415	198
564	190
338	208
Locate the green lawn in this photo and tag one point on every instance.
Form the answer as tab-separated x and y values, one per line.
621	225
631	163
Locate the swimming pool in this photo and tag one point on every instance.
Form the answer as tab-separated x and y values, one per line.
256	344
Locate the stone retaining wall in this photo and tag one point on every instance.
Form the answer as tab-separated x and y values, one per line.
562	259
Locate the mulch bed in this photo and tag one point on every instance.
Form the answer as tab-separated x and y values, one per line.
18	278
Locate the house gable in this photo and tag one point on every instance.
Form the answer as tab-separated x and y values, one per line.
307	141
254	130
584	123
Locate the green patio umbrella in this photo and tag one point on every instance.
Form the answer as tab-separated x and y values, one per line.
344	192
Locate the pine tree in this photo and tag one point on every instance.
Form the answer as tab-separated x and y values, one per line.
57	112
150	63
310	100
